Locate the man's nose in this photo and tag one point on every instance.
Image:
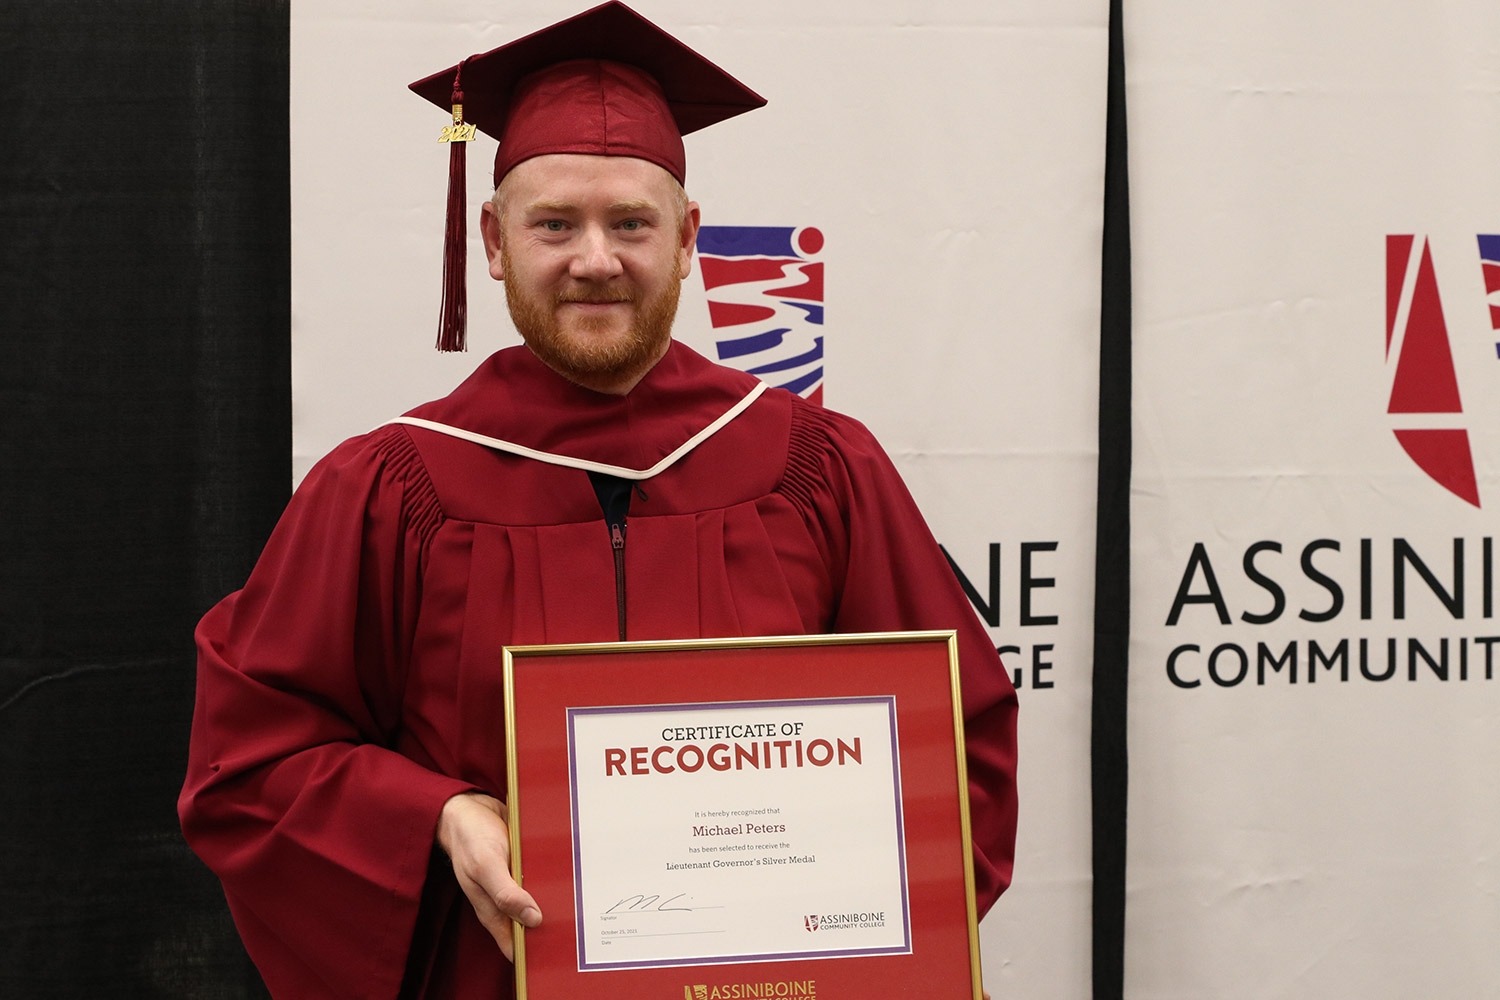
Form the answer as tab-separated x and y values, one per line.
596	259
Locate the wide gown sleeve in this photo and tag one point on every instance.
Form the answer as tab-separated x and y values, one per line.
320	832
891	575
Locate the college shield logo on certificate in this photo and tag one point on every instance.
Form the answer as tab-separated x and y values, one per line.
787	816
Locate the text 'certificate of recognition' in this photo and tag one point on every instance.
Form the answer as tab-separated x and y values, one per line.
737	832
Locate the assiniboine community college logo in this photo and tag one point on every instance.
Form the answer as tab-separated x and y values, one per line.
1427	410
761	989
765	302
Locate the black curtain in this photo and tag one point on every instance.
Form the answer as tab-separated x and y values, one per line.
1109	764
144	317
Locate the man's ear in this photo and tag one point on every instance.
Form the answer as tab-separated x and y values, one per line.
489	228
688	239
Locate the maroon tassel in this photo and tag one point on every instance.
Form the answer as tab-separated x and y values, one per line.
453	322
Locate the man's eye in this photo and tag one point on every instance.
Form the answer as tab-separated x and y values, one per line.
631	225
553	225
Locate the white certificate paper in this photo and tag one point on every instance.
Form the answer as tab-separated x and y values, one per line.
737	832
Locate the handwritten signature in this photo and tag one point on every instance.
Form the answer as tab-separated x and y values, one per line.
642	903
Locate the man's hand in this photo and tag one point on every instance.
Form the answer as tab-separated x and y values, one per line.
477	841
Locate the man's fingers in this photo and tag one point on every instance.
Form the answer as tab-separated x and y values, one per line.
474	835
505	938
496	907
513	901
490	917
498	900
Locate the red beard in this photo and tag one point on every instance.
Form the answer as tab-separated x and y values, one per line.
588	351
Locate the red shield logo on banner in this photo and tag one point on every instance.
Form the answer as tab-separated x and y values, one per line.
1429	417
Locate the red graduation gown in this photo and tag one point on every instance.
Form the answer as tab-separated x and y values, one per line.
352	686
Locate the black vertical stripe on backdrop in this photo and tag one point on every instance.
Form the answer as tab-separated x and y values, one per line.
145	387
1112	559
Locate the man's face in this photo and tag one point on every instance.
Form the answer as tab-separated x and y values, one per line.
592	250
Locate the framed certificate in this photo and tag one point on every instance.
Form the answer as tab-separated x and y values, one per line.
742	818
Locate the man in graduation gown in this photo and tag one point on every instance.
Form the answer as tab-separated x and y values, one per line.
347	765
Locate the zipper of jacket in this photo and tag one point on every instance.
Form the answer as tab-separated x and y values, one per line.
614	503
617	542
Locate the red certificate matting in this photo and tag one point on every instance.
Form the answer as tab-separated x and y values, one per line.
922	934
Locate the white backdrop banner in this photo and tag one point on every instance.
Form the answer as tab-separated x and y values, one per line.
1314	691
926	185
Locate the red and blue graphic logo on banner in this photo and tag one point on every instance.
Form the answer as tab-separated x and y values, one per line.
765	302
1489	260
1424	387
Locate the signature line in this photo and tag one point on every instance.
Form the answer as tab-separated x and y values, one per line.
637	913
668	934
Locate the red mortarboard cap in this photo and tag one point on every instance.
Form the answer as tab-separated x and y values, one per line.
606	82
